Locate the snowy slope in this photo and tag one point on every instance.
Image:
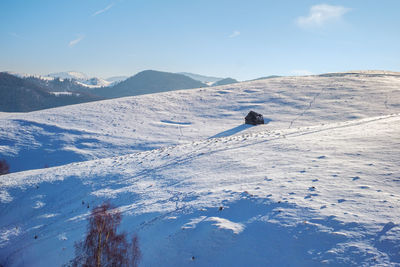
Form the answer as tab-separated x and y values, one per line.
126	125
318	185
94	83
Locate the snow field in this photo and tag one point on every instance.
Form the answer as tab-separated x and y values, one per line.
317	185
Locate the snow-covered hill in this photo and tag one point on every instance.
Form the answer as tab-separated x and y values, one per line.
132	124
317	185
81	78
116	79
69	75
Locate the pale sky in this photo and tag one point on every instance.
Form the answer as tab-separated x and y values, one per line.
226	38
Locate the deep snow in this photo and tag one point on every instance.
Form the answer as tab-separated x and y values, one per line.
319	184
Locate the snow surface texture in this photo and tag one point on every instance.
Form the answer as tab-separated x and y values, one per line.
317	185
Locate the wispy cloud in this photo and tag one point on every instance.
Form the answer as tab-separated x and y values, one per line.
76	41
234	34
103	10
321	14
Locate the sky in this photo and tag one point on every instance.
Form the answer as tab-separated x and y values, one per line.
223	38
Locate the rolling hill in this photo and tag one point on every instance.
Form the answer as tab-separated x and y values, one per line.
224	82
201	78
148	82
22	93
316	185
27	94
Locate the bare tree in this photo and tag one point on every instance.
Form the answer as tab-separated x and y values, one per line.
102	245
135	254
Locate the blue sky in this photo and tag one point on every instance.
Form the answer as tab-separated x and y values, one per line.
240	39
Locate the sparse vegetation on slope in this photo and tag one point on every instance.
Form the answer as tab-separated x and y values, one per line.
103	246
4	167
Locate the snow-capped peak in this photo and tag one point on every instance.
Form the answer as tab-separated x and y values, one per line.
81	78
69	75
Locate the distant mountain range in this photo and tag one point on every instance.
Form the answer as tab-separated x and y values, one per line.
85	80
69	75
148	82
201	78
117	79
24	92
266	77
209	80
225	82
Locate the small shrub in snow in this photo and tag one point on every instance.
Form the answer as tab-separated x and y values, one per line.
103	246
4	167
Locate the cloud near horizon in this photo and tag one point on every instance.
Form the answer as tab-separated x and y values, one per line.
321	14
103	10
76	41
